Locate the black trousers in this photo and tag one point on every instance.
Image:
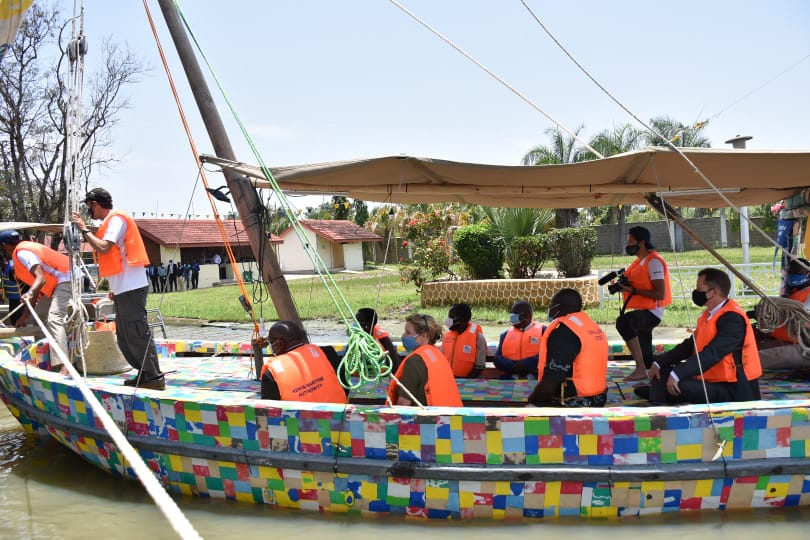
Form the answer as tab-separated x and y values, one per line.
716	392
639	323
133	334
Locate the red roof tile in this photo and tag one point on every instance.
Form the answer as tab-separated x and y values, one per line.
338	230
194	232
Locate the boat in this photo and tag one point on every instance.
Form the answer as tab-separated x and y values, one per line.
210	435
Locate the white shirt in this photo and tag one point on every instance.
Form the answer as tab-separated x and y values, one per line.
130	277
29	259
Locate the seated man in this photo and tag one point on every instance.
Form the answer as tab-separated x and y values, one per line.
518	347
299	371
424	376
722	352
367	318
572	371
780	350
464	344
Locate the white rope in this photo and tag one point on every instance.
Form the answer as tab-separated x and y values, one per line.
774	312
164	502
496	77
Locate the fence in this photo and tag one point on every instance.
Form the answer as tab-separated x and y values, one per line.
683	278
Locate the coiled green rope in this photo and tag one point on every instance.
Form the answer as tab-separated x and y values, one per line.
363	361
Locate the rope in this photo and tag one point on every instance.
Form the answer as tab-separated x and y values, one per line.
211	200
164	502
363	361
774	312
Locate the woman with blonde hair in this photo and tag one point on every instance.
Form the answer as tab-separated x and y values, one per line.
424	377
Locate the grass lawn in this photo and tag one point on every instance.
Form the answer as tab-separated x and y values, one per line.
383	290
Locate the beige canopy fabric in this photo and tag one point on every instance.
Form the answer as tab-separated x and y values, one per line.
746	177
22	225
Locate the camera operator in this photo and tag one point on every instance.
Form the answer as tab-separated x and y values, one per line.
646	296
780	350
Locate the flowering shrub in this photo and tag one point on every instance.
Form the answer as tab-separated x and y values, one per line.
425	235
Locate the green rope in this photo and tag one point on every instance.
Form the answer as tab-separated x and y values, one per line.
364	360
360	344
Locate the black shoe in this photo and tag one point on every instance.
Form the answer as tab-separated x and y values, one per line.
642	391
154	384
133	381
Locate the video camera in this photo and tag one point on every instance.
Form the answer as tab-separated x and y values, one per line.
616	286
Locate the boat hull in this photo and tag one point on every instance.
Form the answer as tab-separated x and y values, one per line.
465	463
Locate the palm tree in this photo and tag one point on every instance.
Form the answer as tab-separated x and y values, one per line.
511	223
564	149
677	133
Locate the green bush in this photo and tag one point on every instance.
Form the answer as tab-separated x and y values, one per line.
574	250
481	250
527	255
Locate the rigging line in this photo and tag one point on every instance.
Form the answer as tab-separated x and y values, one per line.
200	168
760	87
667	142
495	76
164	502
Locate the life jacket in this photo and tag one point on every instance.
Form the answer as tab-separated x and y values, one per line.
11	286
109	263
590	366
638	274
47	257
725	370
781	332
441	389
519	344
379	334
305	374
461	349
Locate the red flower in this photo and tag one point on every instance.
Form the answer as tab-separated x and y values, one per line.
405	243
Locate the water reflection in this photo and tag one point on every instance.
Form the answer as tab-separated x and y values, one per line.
46	491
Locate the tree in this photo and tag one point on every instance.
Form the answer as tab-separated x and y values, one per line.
33	116
564	149
341	208
677	133
360	212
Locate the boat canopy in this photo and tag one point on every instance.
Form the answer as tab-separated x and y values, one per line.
745	177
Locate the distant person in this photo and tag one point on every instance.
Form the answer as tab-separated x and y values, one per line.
722	352
367	318
163	275
646	297
186	270
424	372
195	274
217	260
572	371
171	272
47	273
121	258
519	346
780	349
299	371
153	277
464	344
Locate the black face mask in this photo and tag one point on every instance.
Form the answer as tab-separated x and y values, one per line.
631	249
699	297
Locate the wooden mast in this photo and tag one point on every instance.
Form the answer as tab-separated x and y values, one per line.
244	194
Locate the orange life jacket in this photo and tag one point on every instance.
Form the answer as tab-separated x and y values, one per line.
590	366
379	334
725	370
781	332
305	374
48	257
109	263
519	344
461	349
638	274
441	389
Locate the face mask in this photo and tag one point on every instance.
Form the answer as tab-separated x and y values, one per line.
699	298
631	249
448	322
409	342
795	281
514	318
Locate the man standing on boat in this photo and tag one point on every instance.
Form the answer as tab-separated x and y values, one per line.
299	371
646	296
122	257
572	370
519	346
722	353
47	273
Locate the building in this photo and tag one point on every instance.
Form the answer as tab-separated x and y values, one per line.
339	243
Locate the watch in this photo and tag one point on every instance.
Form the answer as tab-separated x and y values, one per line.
85	231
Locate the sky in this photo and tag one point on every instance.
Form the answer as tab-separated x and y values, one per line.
320	80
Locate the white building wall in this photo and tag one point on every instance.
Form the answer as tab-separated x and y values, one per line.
353	256
291	253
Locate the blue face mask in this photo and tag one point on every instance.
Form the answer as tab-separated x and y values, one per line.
514	318
410	343
795	281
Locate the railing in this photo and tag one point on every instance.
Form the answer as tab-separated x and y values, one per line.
682	279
